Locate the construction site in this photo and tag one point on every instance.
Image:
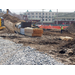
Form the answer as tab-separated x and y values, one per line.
60	46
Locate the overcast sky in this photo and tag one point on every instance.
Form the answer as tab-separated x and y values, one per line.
53	10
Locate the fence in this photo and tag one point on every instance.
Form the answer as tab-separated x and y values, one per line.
51	27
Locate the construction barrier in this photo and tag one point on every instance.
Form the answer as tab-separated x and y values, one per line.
51	27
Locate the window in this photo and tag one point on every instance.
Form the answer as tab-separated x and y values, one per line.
36	17
32	13
49	13
28	16
49	19
68	19
39	13
32	16
39	16
43	13
28	13
43	19
49	16
46	16
52	13
36	13
72	19
55	13
46	19
52	19
43	16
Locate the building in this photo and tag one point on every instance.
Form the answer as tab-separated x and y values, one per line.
51	17
65	18
47	17
0	10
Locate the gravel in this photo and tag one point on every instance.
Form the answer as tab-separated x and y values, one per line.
17	54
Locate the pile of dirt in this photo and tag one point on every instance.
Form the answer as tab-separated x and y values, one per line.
10	18
71	28
9	26
1	14
9	22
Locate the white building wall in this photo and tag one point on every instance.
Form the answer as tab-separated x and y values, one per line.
47	16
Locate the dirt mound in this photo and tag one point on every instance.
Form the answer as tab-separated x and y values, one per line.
71	28
9	26
9	22
10	18
1	14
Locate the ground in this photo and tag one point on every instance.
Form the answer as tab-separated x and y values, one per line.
49	43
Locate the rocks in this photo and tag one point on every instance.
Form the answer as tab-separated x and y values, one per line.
17	54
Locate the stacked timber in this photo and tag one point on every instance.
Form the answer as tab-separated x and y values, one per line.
33	32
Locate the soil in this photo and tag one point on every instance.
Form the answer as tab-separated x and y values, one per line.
10	18
9	22
62	51
50	43
71	28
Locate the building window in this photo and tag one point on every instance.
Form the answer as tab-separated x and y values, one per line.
43	13
28	16
49	13
36	16
46	19
28	13
52	19
49	19
43	19
32	16
46	16
36	13
32	13
72	19
68	19
39	13
43	16
52	16
52	13
49	16
39	16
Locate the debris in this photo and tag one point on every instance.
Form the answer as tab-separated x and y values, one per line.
71	28
66	38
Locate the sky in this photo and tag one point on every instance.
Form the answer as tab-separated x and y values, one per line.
18	11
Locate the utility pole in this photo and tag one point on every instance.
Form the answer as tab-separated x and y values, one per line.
42	15
57	17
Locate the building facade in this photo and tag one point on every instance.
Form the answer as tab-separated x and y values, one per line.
51	17
45	16
64	20
0	10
